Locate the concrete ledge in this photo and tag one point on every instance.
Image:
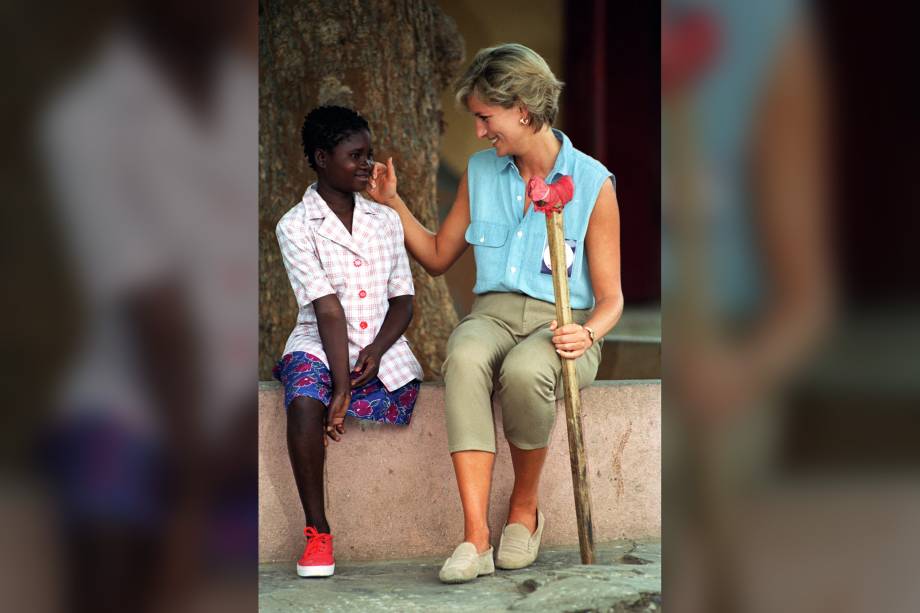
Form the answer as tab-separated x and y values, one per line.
391	491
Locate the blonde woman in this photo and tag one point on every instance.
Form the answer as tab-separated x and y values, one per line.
511	332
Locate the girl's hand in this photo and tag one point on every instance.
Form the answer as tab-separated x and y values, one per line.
571	340
367	365
382	186
335	415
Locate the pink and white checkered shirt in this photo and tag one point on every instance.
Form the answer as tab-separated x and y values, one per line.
364	269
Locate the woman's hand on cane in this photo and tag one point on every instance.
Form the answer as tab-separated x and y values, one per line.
570	340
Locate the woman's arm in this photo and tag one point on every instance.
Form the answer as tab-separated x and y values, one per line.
435	251
602	246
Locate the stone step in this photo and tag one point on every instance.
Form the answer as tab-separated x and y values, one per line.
391	491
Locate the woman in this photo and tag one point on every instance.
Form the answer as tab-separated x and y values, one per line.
511	331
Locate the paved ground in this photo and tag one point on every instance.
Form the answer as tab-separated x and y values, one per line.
627	578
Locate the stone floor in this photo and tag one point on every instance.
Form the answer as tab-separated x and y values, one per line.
626	578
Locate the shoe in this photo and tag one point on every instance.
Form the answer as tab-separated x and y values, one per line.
317	559
518	547
465	564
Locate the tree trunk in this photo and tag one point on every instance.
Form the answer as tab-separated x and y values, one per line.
389	60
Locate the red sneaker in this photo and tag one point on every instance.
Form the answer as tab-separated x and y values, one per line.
317	559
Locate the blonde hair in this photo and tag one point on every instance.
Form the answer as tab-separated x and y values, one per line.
509	75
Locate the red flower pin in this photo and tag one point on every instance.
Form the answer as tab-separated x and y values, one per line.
550	198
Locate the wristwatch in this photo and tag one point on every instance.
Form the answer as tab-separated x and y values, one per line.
590	332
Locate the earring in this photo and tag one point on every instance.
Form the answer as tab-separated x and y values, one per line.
524	121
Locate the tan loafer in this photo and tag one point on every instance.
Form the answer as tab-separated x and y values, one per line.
465	564
518	548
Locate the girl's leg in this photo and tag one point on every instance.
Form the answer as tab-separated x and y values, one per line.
474	480
528	464
305	422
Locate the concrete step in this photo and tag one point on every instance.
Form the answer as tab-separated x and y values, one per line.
627	577
391	491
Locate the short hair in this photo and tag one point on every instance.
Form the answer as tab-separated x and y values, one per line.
326	126
512	74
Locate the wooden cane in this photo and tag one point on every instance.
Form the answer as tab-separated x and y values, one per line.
555	238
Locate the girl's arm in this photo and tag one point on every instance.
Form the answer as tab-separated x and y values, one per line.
602	246
333	331
435	251
298	251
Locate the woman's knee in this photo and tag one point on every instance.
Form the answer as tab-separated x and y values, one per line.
522	377
466	352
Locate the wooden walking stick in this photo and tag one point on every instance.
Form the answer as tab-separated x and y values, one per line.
550	199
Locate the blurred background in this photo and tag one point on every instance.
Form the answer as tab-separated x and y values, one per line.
130	164
790	310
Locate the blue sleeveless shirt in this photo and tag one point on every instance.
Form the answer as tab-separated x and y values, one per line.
509	246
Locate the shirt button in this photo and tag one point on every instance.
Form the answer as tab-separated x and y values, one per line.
482	239
362	294
513	269
363	325
520	234
519	198
357	262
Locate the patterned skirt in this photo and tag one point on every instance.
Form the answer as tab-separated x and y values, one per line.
304	374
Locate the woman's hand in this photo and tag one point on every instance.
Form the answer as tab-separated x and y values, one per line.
335	415
571	340
382	186
367	365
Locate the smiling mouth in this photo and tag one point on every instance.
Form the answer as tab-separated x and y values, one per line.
493	140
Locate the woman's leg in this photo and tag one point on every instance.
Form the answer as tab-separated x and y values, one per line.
530	382
474	350
305	421
528	464
474	480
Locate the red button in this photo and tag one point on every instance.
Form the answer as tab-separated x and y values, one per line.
362	294
357	262
363	325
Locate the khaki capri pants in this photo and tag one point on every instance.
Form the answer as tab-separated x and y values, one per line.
507	335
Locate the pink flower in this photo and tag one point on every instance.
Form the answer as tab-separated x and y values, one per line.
550	198
392	414
537	189
361	407
324	377
302	368
306	380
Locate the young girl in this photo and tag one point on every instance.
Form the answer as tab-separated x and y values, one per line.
348	267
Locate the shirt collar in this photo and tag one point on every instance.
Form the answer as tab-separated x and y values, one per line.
316	208
563	159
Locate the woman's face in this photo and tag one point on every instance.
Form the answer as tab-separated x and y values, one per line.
501	126
348	166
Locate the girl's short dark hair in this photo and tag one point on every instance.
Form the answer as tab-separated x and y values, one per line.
326	126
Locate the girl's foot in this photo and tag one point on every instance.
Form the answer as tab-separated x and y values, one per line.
317	559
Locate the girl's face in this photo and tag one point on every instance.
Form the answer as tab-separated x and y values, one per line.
347	167
501	126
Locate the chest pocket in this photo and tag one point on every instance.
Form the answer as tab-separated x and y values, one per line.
488	239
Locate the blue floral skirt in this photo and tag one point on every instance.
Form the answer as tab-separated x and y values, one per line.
304	374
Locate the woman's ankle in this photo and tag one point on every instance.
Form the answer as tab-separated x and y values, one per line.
479	537
523	514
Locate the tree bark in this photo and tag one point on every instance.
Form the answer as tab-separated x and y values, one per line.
389	60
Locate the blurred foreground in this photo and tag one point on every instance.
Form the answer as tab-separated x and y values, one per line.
790	321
